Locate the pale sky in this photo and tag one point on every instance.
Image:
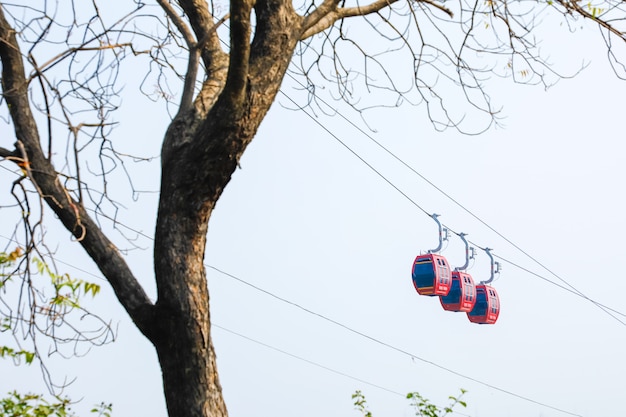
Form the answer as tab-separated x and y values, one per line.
308	222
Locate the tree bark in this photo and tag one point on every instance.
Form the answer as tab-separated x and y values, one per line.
199	156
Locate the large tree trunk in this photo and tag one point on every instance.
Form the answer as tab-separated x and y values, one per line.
199	155
192	181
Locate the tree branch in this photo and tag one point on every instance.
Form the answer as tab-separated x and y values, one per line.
192	67
206	29
195	50
574	6
186	99
327	14
240	32
45	179
5	153
314	17
438	6
328	19
178	22
201	21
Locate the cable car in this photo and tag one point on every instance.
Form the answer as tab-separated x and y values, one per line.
431	275
431	272
462	295
487	307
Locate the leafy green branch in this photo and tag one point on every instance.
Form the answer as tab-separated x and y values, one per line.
361	404
422	406
36	300
63	283
34	405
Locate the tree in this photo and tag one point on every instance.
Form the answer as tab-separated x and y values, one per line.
61	66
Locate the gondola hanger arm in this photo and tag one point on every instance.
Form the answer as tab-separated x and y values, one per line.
443	234
495	267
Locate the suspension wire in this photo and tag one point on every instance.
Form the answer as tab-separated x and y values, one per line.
412	356
573	290
607	310
356	155
388	345
310	362
603	306
448	196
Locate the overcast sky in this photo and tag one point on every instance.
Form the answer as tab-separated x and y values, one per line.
319	248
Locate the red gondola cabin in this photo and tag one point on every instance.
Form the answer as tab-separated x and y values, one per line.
462	295
487	307
431	275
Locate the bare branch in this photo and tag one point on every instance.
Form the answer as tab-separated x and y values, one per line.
178	22
327	14
43	175
56	59
313	18
5	153
574	6
438	6
195	50
205	30
201	21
